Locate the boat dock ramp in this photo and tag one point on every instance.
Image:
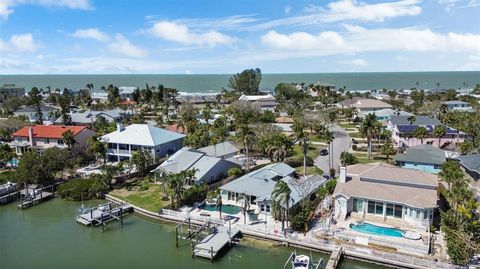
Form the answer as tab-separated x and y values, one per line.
334	258
33	197
102	214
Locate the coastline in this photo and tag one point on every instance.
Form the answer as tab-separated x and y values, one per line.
349	251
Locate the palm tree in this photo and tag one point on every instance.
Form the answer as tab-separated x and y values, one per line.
411	119
218	205
388	150
282	195
329	137
299	128
69	140
248	137
244	201
175	183
421	133
369	128
455	179
439	131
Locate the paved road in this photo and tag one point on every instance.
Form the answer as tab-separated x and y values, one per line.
341	143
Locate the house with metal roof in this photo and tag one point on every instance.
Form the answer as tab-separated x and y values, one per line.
123	142
208	168
263	102
223	150
386	194
364	106
386	113
422	157
471	165
458	105
90	116
42	137
30	112
403	128
258	186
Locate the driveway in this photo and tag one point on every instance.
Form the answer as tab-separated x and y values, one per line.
341	143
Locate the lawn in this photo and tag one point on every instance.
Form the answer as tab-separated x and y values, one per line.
310	170
347	125
150	199
376	157
313	150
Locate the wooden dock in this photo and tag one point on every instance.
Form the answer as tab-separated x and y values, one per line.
8	192
334	258
29	200
211	245
103	214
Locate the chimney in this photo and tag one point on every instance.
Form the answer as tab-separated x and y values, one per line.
343	174
119	126
30	136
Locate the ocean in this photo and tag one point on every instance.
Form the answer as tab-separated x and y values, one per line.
213	83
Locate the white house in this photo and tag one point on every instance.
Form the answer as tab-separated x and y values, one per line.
386	194
263	102
208	169
123	142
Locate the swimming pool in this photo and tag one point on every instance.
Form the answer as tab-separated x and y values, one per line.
227	209
13	162
376	230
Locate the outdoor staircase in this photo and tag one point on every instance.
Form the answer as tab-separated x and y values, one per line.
380	219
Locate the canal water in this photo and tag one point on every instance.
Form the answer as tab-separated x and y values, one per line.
47	236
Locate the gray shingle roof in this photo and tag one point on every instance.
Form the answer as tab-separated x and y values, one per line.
29	109
471	162
425	154
419	120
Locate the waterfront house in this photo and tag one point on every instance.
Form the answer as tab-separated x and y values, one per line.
364	106
208	168
41	137
223	150
263	102
30	112
386	194
10	90
422	157
458	105
123	142
258	186
90	116
402	132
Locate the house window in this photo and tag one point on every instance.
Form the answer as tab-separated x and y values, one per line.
419	214
398	211
262	208
357	205
371	207
252	200
436	166
19	139
47	141
425	214
390	209
379	208
60	142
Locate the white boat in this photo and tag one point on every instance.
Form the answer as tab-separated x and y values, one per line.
301	262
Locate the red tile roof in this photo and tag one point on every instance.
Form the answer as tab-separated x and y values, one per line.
48	131
174	128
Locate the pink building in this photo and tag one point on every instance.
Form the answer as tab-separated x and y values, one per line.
402	132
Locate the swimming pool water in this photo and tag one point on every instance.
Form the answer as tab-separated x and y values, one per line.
227	209
376	230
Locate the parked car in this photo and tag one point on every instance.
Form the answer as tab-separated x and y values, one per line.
323	152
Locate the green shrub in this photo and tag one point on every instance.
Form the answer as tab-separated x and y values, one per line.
298	221
347	158
234	172
297	161
78	189
7	176
330	185
194	194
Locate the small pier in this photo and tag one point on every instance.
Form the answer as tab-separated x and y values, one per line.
211	245
8	192
102	214
334	258
33	197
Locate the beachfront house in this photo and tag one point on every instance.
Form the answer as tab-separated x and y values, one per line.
208	168
30	112
10	90
458	105
403	128
386	194
257	186
364	106
123	142
262	102
42	137
422	157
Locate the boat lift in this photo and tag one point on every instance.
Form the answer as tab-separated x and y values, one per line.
302	262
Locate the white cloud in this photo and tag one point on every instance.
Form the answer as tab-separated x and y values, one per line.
92	33
235	22
287	9
180	33
6	6
402	39
349	10
355	62
121	45
19	43
452	4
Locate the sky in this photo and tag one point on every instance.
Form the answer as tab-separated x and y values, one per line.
227	36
